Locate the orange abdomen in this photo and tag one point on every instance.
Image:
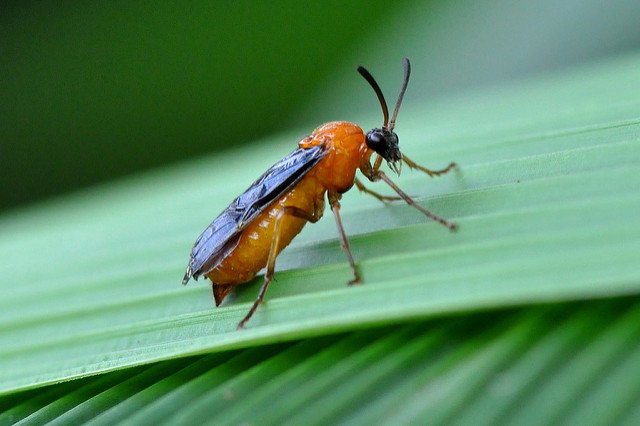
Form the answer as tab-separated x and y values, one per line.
252	251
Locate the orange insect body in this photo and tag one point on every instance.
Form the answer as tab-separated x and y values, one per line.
346	150
250	233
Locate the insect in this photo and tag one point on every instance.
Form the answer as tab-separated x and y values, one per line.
250	233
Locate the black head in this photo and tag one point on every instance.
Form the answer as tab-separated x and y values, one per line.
384	141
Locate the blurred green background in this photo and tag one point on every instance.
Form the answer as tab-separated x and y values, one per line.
95	90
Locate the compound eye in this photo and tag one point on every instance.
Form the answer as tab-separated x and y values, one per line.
376	140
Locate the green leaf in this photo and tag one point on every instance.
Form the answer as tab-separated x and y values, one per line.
566	363
546	198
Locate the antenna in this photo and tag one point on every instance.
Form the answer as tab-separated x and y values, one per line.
407	72
385	111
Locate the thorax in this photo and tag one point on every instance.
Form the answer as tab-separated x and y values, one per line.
346	147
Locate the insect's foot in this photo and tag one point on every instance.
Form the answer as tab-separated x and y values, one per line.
433	173
242	323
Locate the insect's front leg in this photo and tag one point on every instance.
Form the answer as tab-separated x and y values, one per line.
375	175
381	175
334	202
383	198
412	164
370	172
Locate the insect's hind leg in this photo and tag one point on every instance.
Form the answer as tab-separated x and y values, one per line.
412	164
273	253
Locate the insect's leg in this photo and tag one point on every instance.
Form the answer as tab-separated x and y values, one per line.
369	171
334	202
273	253
381	175
380	197
377	163
430	172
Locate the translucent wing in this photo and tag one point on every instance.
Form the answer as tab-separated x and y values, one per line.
223	233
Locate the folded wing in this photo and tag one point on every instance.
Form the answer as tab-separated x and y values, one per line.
222	235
